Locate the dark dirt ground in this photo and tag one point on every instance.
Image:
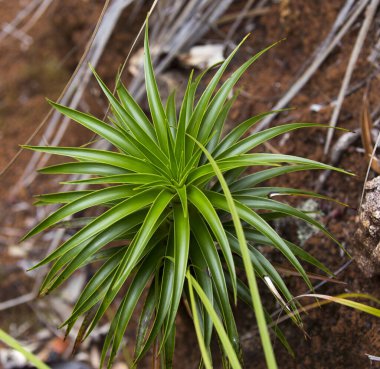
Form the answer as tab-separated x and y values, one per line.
338	336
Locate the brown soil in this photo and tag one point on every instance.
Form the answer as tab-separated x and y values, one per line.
338	337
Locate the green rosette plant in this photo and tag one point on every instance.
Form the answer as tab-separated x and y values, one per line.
176	195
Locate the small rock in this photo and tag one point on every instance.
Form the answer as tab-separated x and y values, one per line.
366	249
203	56
307	230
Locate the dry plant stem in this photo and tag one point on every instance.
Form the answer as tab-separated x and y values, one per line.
340	146
17	301
155	356
21	15
344	142
248	14
238	21
317	286
370	13
286	317
319	59
373	357
37	15
60	98
339	21
18	34
183	26
74	93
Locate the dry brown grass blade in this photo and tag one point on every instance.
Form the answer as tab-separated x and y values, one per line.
319	303
366	128
290	272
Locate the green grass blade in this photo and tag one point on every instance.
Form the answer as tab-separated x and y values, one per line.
158	113
130	178
258	238
93	291
11	342
130	300
245	145
168	351
227	346
145	317
201	341
254	179
98	286
83	168
210	253
256	300
105	157
180	138
164	301
59	264
181	255
171	112
200	268
200	109
152	151
104	221
134	110
271	205
205	208
61	197
263	268
110	234
81	203
270	192
232	137
110	337
205	172
152	221
257	222
112	135
202	131
182	194
219	124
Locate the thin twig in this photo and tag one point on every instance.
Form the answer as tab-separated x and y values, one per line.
343	14
17	301
37	15
238	20
286	317
370	13
319	59
340	146
21	15
248	14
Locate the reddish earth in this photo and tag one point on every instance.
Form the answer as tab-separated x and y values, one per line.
338	337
